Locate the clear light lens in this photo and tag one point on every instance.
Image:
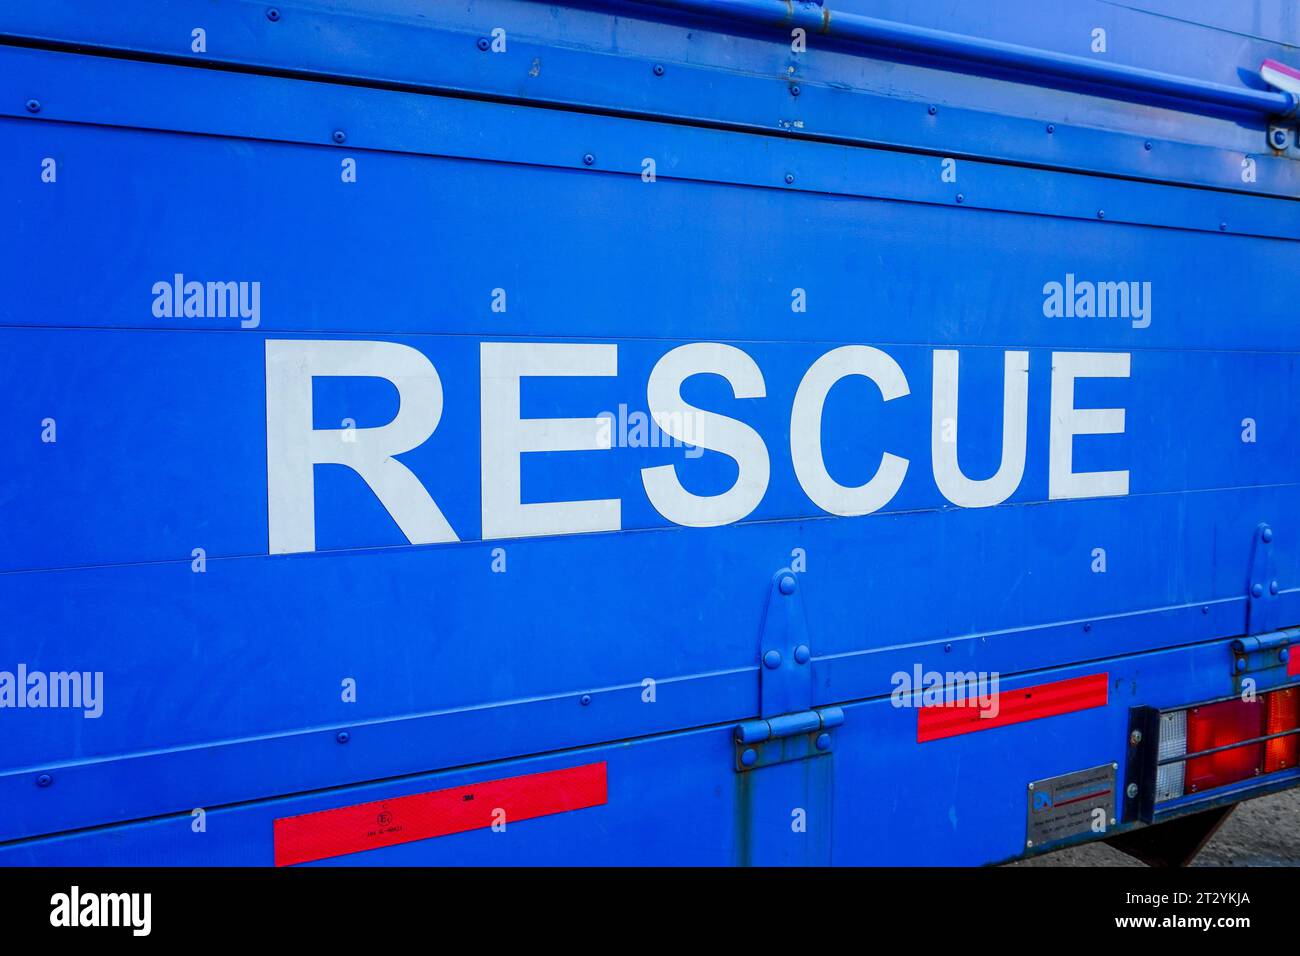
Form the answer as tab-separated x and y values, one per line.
1173	743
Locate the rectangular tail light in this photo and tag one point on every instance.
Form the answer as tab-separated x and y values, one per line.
1205	747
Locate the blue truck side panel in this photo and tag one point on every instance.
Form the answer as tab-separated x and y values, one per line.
136	545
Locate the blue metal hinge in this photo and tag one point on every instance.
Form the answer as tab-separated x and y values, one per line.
1262	589
1261	653
789	727
761	743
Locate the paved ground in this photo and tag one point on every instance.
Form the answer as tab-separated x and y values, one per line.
1260	832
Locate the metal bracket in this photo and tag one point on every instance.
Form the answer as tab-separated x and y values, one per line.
1262	588
785	657
1261	653
789	728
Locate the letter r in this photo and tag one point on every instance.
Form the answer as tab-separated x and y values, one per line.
294	446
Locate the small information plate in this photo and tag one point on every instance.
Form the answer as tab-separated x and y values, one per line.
1067	806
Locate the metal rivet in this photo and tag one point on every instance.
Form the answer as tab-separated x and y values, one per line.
1257	590
772	660
961	198
342	736
339	136
823	741
1029	843
749	756
1101	214
802	654
1266	534
1205	609
1051	128
1131	790
273	14
786	584
588	159
1272	587
584	700
1223	227
659	70
33	106
44	780
1135	738
933	110
1087	627
1284	655
794	91
1147	144
947	648
789	178
1241	665
483	43
1031	786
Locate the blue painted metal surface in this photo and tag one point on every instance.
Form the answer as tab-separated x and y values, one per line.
411	189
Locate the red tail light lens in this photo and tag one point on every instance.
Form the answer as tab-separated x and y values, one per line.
1218	725
1282	712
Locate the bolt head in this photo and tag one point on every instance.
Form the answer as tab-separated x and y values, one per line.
483	43
1273	587
1266	534
44	780
1257	590
1279	138
1284	655
961	197
1135	738
772	660
342	736
1223	227
1101	214
1051	128
588	159
1147	145
659	70
802	655
33	106
823	741
272	14
1131	790
749	756
789	178
585	700
932	110
339	136
787	584
794	90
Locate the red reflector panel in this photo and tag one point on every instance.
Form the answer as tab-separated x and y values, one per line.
1217	725
965	716
1293	661
1281	713
365	826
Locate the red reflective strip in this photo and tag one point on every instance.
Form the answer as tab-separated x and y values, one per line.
1293	661
365	826
937	721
